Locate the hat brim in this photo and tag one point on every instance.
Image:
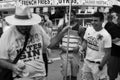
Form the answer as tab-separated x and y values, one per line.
14	21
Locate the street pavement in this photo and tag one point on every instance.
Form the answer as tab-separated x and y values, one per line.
54	68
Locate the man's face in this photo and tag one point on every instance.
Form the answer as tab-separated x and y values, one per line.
97	24
72	16
114	17
24	29
46	17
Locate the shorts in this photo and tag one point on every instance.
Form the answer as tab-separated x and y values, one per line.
93	68
113	67
72	65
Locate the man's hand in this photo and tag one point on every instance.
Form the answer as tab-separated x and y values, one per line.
65	29
63	48
17	70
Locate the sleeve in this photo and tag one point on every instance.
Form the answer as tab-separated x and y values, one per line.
4	46
107	41
113	29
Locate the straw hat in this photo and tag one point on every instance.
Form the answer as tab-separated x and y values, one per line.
23	16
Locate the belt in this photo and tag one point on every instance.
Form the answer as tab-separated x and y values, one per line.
97	62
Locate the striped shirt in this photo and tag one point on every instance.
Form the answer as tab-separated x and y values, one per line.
73	41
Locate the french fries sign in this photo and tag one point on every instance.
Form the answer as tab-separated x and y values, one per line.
49	2
41	3
64	2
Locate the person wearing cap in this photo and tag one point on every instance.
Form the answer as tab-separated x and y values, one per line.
30	64
98	42
114	29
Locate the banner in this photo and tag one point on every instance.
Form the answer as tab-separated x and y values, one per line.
41	3
47	3
35	3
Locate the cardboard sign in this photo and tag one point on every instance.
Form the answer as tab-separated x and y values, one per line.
35	3
42	3
97	2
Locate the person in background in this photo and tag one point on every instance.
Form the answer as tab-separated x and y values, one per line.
98	42
47	52
114	29
47	24
71	63
24	25
42	20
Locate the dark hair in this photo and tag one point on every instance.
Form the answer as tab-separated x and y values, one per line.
115	8
99	15
46	13
73	12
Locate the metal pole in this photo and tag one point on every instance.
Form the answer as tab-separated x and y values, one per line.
70	5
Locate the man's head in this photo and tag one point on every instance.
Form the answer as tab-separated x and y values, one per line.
115	13
23	19
72	16
98	18
46	15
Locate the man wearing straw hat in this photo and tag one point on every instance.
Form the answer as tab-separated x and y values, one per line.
30	65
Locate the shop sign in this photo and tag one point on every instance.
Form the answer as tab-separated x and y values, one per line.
7	5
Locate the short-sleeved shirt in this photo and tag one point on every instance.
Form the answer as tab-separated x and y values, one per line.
11	43
96	42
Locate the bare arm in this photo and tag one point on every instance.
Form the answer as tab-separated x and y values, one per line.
106	57
58	37
6	64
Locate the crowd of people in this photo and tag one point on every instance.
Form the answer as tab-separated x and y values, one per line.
26	46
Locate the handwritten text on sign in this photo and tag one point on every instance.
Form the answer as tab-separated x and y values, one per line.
49	2
96	2
41	3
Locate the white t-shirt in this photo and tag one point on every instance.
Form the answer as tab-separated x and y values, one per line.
96	42
12	42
